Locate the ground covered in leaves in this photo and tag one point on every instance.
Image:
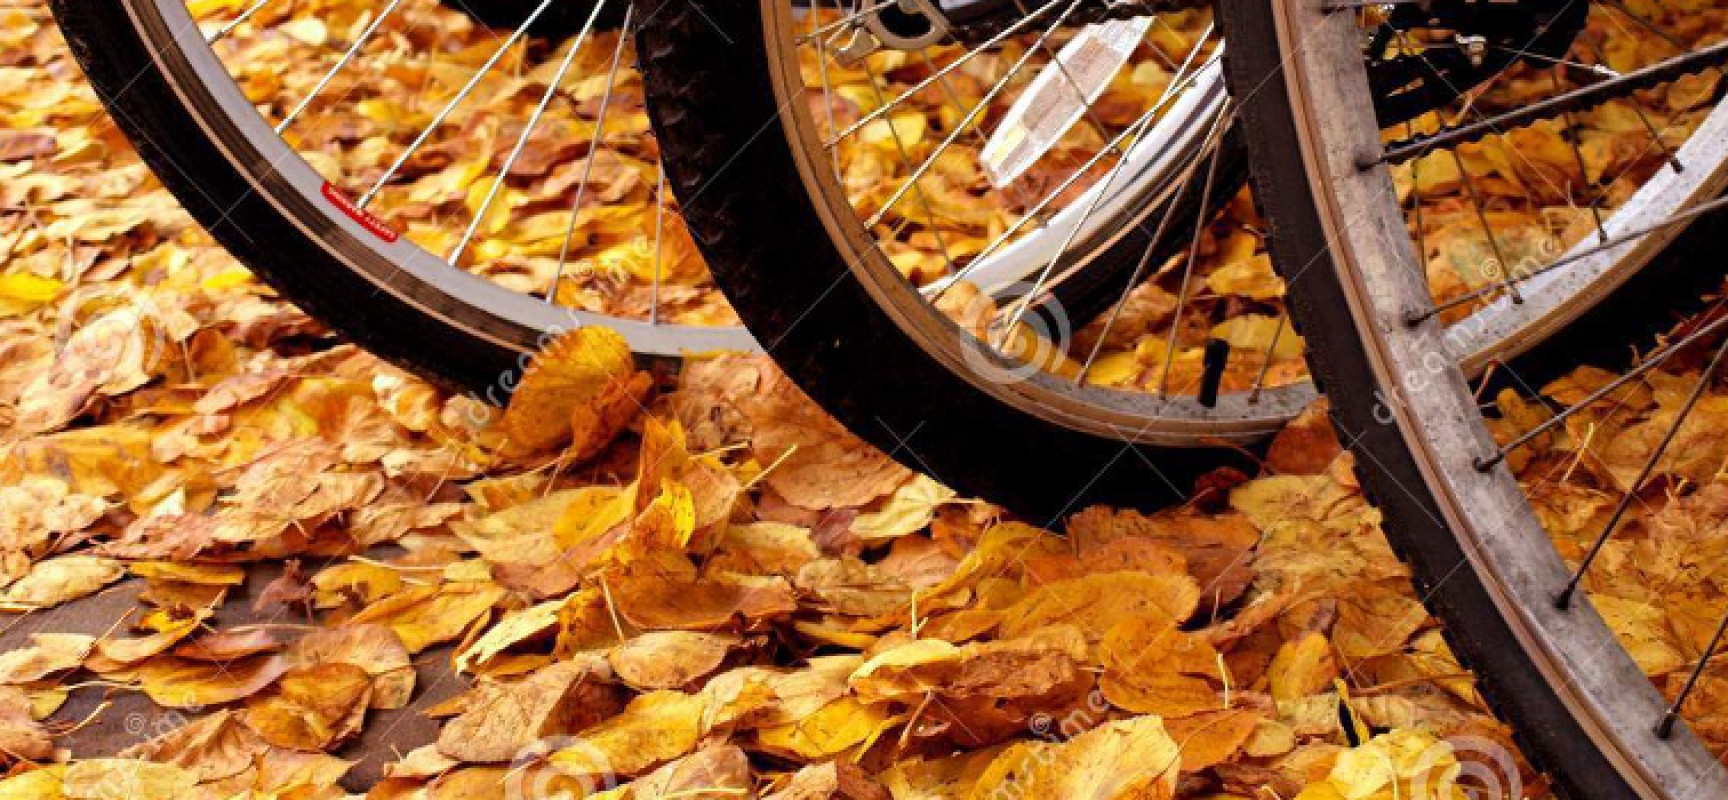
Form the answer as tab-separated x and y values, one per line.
244	560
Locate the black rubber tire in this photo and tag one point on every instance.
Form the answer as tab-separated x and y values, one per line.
190	164
1482	639
709	90
562	19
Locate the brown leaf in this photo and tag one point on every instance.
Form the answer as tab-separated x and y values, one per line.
588	370
670	659
426	615
178	683
129	779
312	708
374	648
47	654
715	773
212	747
500	721
833	780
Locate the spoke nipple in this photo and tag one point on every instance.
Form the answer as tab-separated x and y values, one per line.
1483	464
1665	728
1415	317
1563	601
1368	161
1675	163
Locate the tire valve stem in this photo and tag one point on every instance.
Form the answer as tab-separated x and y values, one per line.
1217	354
1213	362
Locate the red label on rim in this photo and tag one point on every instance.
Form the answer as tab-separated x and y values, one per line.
367	219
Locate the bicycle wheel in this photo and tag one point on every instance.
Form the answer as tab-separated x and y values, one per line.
456	281
755	146
402	234
1455	480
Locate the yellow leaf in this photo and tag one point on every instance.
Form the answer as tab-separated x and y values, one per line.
655	728
1256	332
1097	602
837	726
1150	667
1251	277
1131	759
128	779
23	292
426	615
312	708
58	580
179	683
906	511
577	369
41	784
1302	667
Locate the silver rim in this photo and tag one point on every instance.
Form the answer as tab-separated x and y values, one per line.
472	303
1433	406
1493	332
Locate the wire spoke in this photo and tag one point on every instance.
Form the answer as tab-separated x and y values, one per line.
1571	135
1146	256
1572	258
1640	21
953	100
941	74
330	74
971	116
1266	365
847	21
1178	84
827	85
1651	362
220	34
1027	299
1638	108
467	89
1487	229
1200	222
522	142
1665	727
1068	78
588	162
906	161
1704	379
1580	98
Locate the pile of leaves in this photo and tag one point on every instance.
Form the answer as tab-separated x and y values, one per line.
646	586
721	594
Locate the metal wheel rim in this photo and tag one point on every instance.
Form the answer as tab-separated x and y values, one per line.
489	312
1439	419
277	172
1498	331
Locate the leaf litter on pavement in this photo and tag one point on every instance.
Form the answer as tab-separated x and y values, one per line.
633	585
